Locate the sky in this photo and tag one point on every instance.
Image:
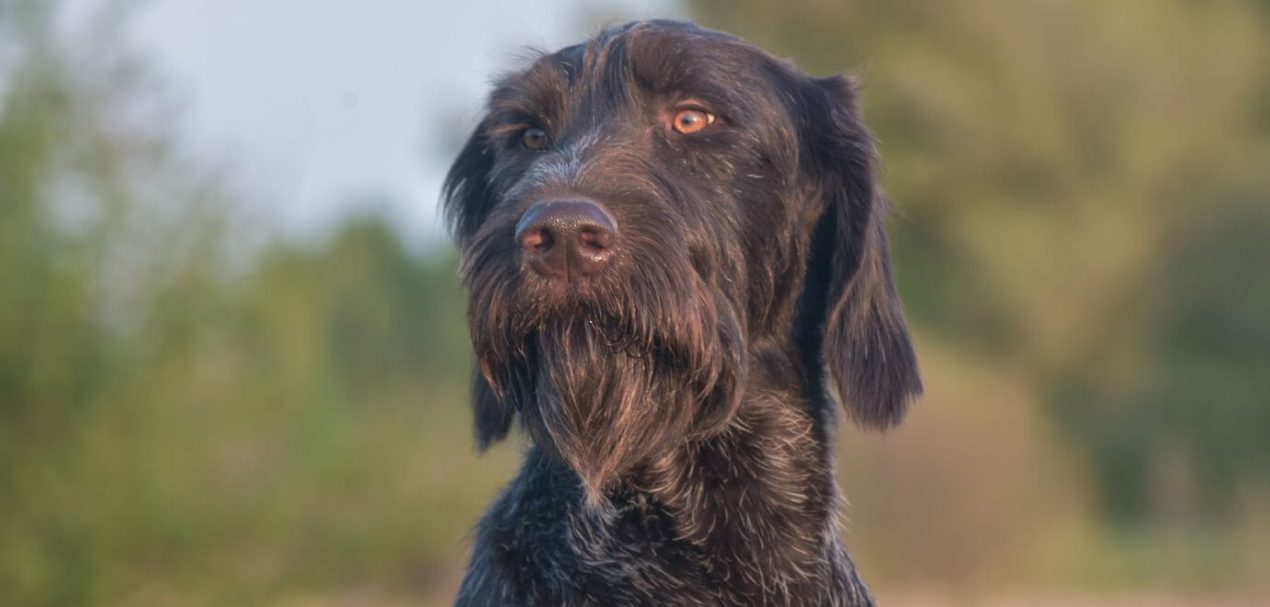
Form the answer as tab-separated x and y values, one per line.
323	107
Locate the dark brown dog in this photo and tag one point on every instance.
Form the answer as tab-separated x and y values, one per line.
675	253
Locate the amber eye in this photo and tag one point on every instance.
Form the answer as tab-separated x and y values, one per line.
691	121
534	138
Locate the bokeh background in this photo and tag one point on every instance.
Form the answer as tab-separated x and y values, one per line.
232	348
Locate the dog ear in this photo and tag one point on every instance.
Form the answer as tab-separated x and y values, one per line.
850	311
468	198
467	192
491	417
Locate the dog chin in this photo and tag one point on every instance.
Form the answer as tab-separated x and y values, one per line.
604	406
605	390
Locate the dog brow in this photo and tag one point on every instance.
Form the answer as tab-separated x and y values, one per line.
535	95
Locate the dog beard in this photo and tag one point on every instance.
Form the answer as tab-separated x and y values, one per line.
607	395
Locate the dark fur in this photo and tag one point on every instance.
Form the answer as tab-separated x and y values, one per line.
679	401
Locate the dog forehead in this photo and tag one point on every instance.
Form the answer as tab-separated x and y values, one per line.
655	58
656	49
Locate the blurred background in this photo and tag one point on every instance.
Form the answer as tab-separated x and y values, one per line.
232	347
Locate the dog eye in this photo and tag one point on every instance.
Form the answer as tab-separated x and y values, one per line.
534	138
690	121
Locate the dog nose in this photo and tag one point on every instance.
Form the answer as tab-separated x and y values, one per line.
562	238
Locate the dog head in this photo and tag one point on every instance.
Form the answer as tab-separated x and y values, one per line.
638	214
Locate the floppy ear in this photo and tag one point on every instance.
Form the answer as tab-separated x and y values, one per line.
491	418
850	307
467	192
468	198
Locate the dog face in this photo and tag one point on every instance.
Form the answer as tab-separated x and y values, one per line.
639	214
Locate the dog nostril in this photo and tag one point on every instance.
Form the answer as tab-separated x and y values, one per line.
595	240
536	240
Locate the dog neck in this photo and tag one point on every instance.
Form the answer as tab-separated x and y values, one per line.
762	492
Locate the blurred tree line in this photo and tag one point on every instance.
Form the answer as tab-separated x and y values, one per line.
1081	194
183	423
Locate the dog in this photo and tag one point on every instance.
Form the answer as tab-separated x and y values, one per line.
674	249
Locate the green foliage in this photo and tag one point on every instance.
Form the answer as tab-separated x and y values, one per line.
179	429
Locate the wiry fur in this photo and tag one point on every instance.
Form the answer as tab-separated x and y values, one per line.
679	401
